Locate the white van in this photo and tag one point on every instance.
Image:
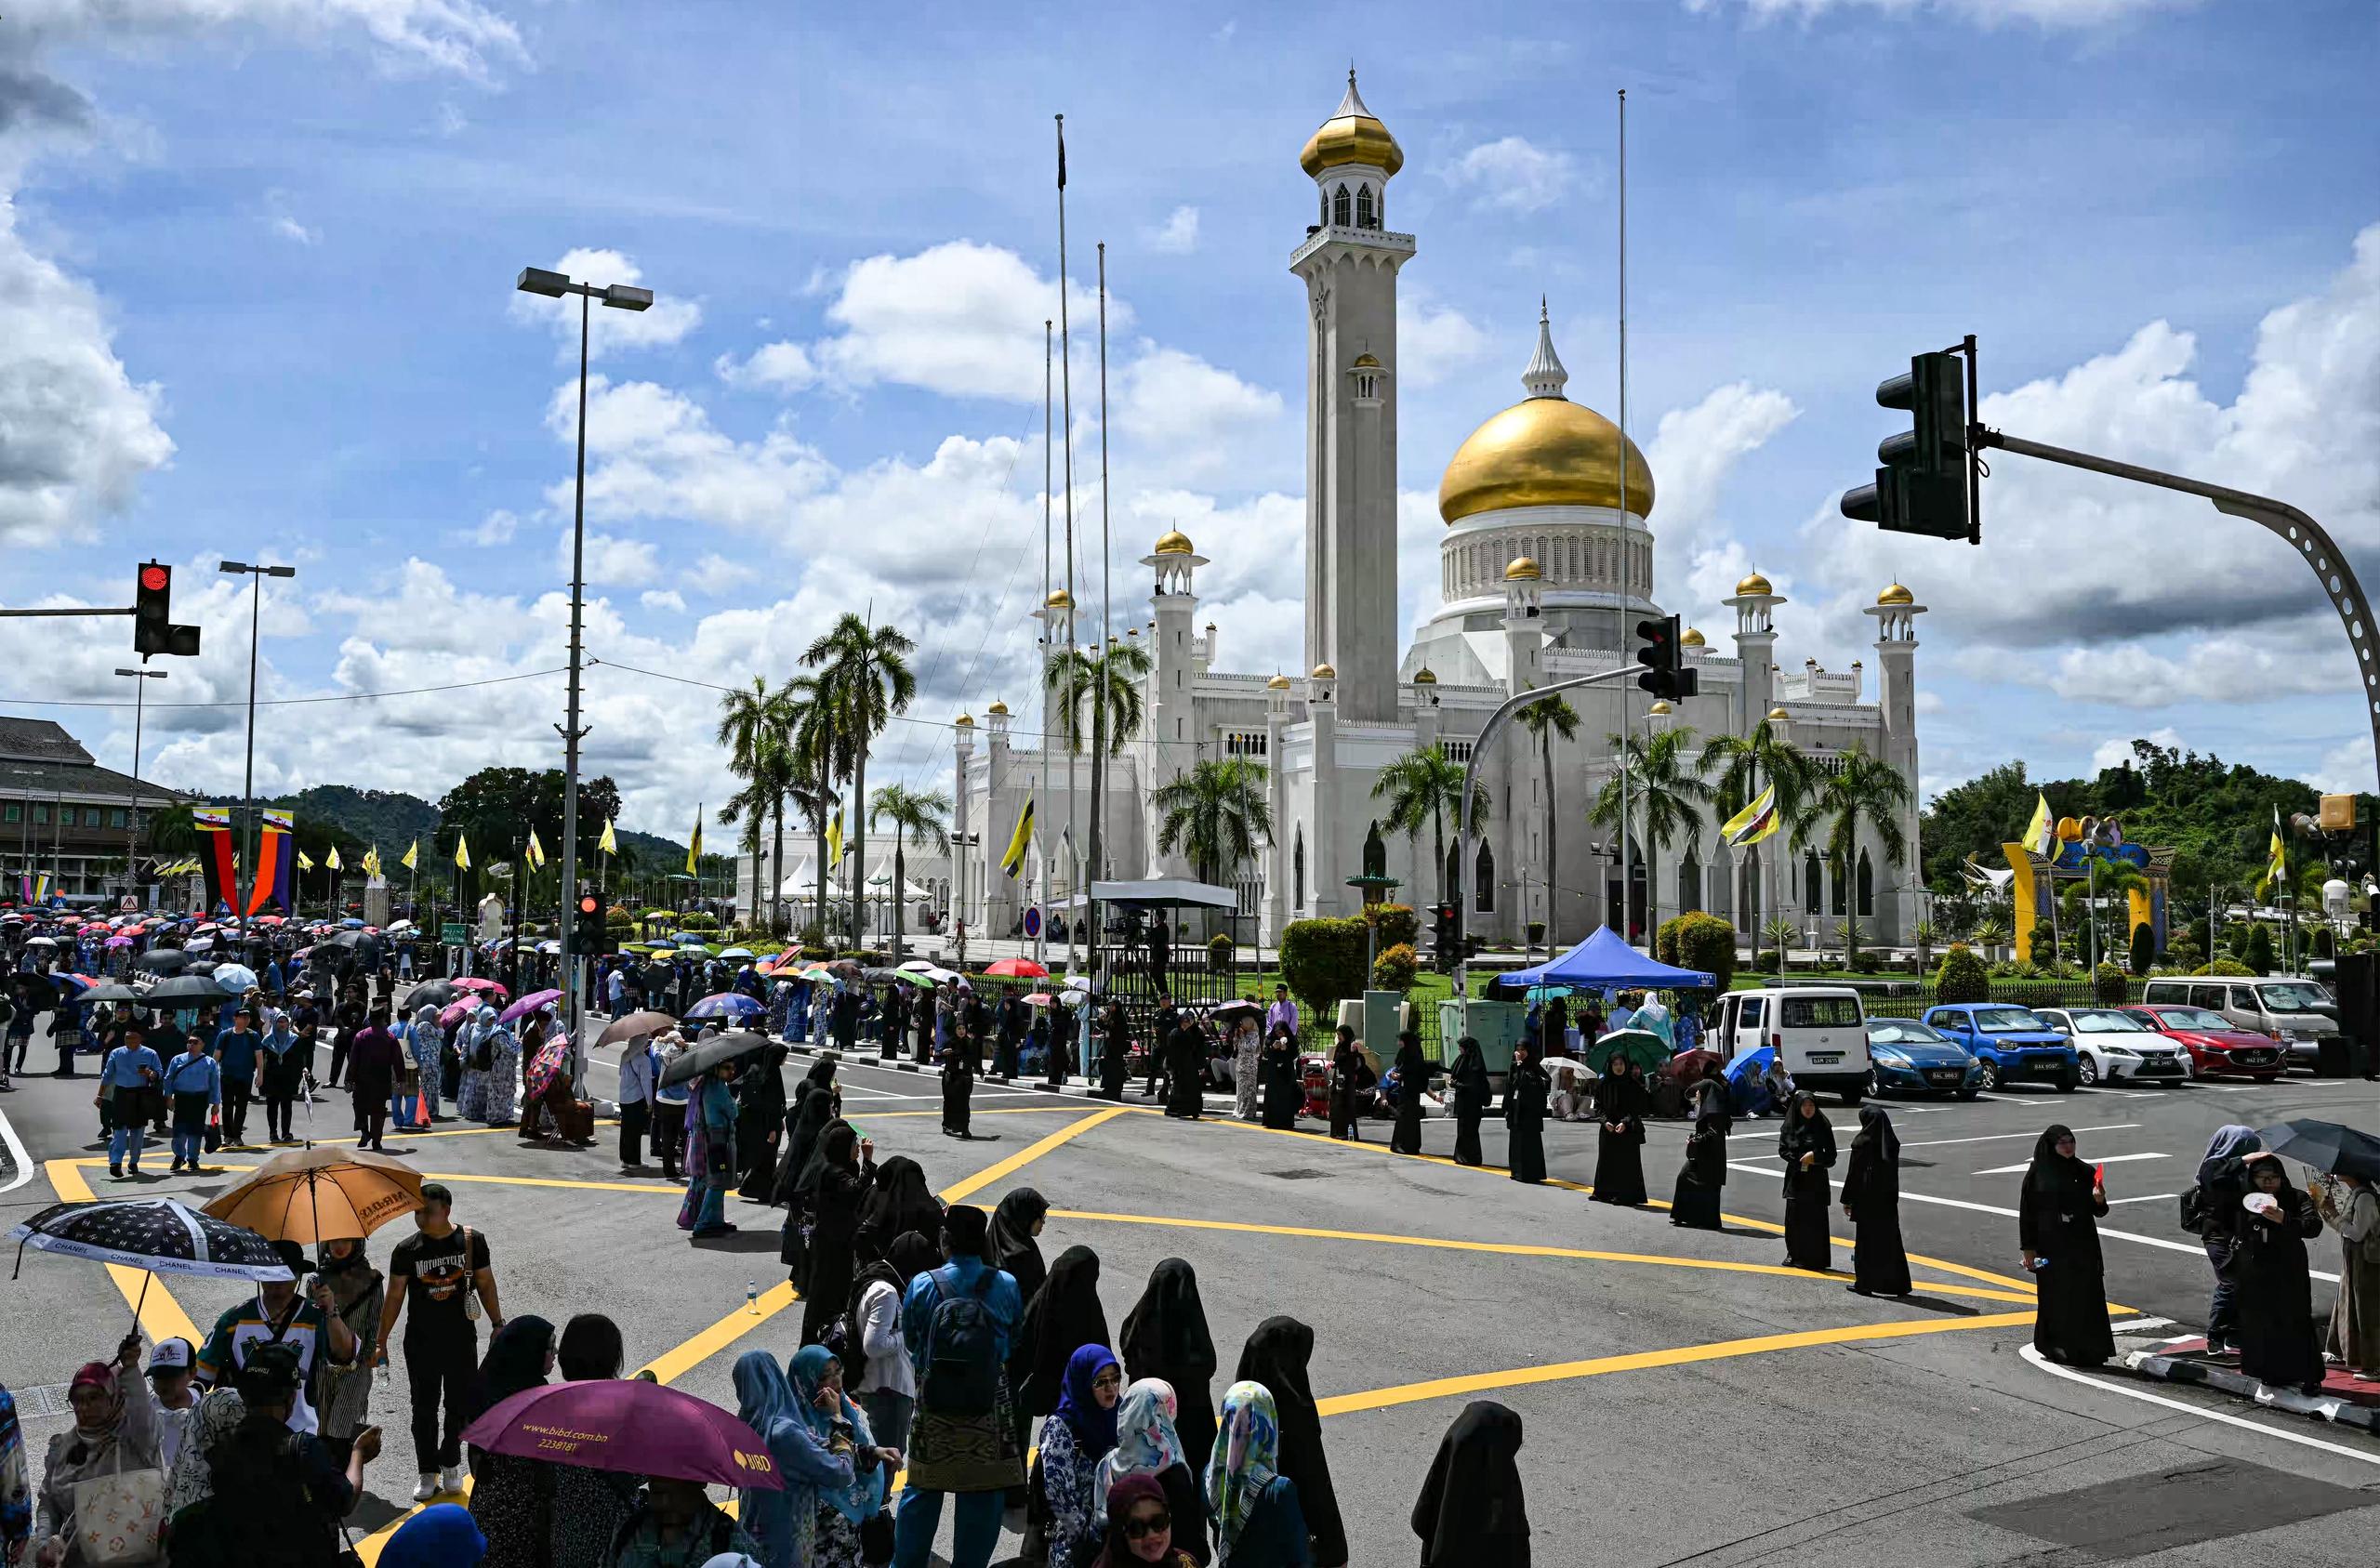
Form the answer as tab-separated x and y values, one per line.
1820	1031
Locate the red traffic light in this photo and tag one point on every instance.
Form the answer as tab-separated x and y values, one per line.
589	904
155	578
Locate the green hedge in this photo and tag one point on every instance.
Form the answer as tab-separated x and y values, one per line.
2106	984
1323	962
1395	969
1962	977
2144	947
1398	925
2232	966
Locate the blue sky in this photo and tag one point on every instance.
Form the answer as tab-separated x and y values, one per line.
257	302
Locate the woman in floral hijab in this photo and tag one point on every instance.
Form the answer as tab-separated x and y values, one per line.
1258	1522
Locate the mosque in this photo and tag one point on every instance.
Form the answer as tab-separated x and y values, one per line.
1547	564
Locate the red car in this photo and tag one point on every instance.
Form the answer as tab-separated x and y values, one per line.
2216	1044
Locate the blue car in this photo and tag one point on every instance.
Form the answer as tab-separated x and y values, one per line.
1907	1057
2010	1044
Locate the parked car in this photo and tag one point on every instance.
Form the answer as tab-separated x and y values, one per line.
1821	1029
2011	1044
2115	1046
1907	1057
2298	1013
2216	1044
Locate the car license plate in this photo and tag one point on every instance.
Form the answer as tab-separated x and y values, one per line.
1825	1059
1946	1075
2254	1059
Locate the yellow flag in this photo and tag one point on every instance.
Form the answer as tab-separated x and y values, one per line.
1019	840
333	861
372	861
1752	823
536	852
608	844
2040	833
304	860
411	850
462	853
695	849
2277	862
835	838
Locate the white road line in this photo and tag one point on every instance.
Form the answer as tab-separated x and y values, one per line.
2002	1136
1908	1196
24	1162
2132	1324
2152	1198
2143	1395
2088	1159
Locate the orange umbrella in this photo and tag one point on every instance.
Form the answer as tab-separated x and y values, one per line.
323	1193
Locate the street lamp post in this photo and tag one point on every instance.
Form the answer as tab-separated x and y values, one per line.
255	576
617	297
132	818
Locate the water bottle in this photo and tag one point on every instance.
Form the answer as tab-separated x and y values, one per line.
752	1298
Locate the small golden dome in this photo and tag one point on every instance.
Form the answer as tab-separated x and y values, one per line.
1523	570
1279	683
1324	672
1659	709
1693	638
1425	675
1543	451
966	721
1351	136
1175	543
1755	583
1778	714
1129	631
1365	362
1896	595
1001	708
1060	599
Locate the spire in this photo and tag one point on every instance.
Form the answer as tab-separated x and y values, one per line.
1352	103
1544	378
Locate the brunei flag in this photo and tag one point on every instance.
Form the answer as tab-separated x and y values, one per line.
2277	862
304	860
334	862
214	827
535	853
835	838
1754	823
462	853
1019	840
695	849
2040	833
412	853
608	844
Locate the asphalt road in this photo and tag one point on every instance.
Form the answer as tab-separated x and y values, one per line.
1684	1398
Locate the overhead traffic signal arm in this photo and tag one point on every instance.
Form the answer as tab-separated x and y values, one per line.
153	593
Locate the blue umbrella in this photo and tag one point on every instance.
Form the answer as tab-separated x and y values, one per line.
352	924
735	953
687	939
1750	1065
726	1003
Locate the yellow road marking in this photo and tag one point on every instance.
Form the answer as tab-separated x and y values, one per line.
1028	1110
661	1187
160	1316
1027	1155
671	1365
1518	1249
1448	1388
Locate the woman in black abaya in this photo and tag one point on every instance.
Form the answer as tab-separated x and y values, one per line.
1186	1068
1346	1072
900	1201
1414	1071
1277	1070
1276	1355
1116	1050
842	1174
2276	1341
1063	1315
1694	1204
1807	1147
2057	1222
1015	1224
1872	1202
960	1061
1471	1514
761	1124
814	1104
1472	1093
1165	1336
1526	1087
1620	1104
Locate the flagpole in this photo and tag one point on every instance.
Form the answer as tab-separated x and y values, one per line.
1041	882
1066	392
1627	709
1102	741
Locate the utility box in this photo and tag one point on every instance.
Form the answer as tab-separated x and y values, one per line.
1496	1025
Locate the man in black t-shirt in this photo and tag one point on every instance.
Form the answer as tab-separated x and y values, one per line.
436	1272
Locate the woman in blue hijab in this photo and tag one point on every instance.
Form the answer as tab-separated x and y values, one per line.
817	1462
1075	1437
442	1537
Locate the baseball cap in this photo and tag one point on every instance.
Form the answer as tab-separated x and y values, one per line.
269	1371
171	1355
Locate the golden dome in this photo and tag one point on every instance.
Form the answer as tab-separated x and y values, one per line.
1000	707
1175	543
1755	583
1324	672
1060	599
1896	595
1778	714
1351	136
1279	683
1543	451
1523	570
1659	710
1365	361
966	721
1425	677
1693	638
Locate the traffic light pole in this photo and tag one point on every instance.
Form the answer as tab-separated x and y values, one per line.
2321	552
1465	839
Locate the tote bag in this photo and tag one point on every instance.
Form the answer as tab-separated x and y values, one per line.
119	1516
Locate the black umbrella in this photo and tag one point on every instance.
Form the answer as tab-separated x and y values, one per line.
437	994
204	966
710	1053
186	989
114	994
163	960
2326	1146
158	1234
41	992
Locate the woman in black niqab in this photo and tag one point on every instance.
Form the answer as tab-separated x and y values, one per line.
1115	1050
1277	1070
519	1356
1872	1202
1526	1087
2278	1345
1414	1071
900	1201
842	1174
1185	1070
1807	1147
1472	1092
760	1123
1694	1204
1471	1514
1276	1355
1346	1076
1064	1315
814	1104
1165	1336
2056	1222
1014	1223
1620	1103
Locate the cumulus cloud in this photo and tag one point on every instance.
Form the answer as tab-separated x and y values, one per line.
1187	414
781	367
2116	753
653	453
1178	235
611	561
1695	449
2344	770
1514	174
2044	13
961	319
1433	341
456	37
713	575
497	528
666	321
289	228
663	599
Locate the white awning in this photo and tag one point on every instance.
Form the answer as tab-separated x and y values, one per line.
1166	892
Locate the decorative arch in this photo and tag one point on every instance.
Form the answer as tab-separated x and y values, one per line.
1866	886
1483	871
1840	876
1339	214
1297	859
1813	882
1689	881
1363	219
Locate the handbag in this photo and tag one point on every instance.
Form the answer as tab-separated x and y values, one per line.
214	1128
119	1518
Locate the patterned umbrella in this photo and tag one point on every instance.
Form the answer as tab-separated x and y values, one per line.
158	1234
552	1058
726	1003
527	1005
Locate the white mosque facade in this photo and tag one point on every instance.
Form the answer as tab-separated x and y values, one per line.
1548	561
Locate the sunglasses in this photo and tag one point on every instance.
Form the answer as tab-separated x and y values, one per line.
1136	1529
1107	1380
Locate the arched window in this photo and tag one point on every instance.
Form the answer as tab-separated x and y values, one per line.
1483	870
1840	874
1454	870
1812	882
1297	857
1364	208
1325	198
1689	881
1339	214
1866	886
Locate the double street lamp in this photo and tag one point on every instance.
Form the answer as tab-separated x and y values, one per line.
132	818
256	574
616	297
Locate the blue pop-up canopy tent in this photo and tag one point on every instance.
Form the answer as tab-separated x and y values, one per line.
1605	960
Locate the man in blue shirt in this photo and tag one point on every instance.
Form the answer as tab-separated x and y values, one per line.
193	1084
130	1074
973	1455
237	1051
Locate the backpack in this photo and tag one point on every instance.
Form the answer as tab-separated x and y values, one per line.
962	1372
2193	1215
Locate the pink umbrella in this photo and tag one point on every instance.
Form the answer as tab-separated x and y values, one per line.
481	983
457	1011
628	1426
119	941
528	1004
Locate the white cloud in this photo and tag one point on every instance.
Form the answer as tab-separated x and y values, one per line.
1188	416
714	575
2344	770
1513	173
961	319
784	367
663	599
2116	753
1178	235
457	37
451	121
1695	451
610	561
289	228
1433	341
668	320
497	528
2219	669
2046	13
653	453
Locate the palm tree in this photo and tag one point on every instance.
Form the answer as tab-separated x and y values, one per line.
1780	932
1746	765
1215	814
1545	720
1662	790
1110	683
1427	786
810	736
750	807
867	676
1867	788
745	719
916	819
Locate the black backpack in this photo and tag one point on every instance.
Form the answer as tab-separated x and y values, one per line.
962	1372
2193	1215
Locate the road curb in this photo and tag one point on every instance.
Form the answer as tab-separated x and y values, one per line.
2175	1369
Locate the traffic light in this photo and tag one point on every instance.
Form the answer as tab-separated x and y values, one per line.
152	608
1663	656
1442	933
590	937
1925	484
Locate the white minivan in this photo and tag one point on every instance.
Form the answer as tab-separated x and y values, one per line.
1820	1032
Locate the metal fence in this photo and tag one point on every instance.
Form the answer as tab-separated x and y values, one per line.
1911	1000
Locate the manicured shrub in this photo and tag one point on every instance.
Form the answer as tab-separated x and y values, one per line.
1962	977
